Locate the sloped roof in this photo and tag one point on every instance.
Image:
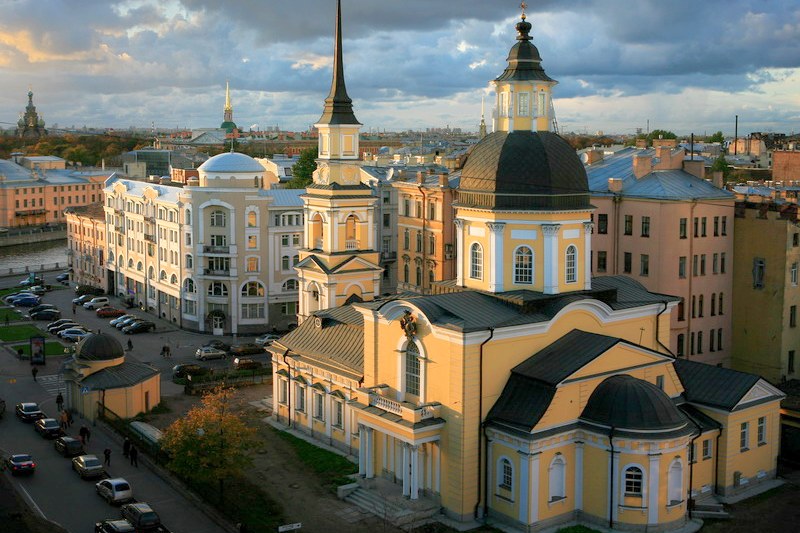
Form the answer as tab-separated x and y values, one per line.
715	386
126	374
522	403
284	197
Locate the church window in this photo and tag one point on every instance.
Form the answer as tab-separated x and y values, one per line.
412	371
542	104
557	481
523	265
405	273
675	483
570	265
476	261
506	474
523	107
633	481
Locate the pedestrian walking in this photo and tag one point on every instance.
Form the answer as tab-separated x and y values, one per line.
73	308
82	434
130	345
88	434
69	419
34	371
126	447
59	401
163	351
63	419
107	455
134	456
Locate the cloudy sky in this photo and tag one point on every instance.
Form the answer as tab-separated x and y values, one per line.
683	65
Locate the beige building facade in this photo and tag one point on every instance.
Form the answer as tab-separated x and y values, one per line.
86	244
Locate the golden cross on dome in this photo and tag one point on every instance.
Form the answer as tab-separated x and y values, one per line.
524	6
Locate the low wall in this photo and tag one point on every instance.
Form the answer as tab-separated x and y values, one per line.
32	236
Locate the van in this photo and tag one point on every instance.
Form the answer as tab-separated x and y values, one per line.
96	303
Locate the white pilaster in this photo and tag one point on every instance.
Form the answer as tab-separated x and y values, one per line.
614	473
329	411
370	451
362	455
414	472
495	258
551	258
534	483
652	491
587	255
512	108
460	252
579	476
490	473
524	482
405	470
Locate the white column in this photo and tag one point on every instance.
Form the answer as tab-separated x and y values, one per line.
460	253
414	472
276	381
333	226
370	450
524	483
362	455
405	470
438	469
310	406
534	488
371	229
652	491
512	108
587	255
384	464
329	411
490	472
551	258
495	257
579	476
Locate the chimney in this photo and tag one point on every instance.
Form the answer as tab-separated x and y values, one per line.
594	156
695	167
615	184
420	178
641	143
670	143
642	164
716	178
444	181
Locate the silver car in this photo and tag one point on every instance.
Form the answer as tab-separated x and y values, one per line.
116	490
207	352
88	466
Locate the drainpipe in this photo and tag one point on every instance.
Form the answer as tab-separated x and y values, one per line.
716	462
617	200
289	390
481	429
691	465
658	337
611	480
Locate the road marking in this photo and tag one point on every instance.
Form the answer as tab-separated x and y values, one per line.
52	383
35	506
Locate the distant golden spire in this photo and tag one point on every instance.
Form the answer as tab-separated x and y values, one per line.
524	6
228	106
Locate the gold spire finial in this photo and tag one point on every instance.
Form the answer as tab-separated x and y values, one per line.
227	96
523	6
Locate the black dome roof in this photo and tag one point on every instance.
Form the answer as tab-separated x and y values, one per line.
99	347
523	170
524	61
627	403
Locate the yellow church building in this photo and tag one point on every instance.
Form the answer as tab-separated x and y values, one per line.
524	391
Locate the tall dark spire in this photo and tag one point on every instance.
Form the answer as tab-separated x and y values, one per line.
338	106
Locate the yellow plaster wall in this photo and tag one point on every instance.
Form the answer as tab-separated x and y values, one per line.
595	479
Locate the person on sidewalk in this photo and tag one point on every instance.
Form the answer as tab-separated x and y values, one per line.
130	345
60	402
107	455
134	456
34	371
82	434
126	447
63	419
69	419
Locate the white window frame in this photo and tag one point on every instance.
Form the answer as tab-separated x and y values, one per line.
319	405
557	478
476	261
571	264
523	273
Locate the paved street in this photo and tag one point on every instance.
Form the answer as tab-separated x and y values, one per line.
56	491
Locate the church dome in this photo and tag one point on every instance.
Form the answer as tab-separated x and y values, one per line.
228	126
231	162
99	347
626	403
523	170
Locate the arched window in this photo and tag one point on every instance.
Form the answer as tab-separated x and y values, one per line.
405	273
252	219
120	260
163	275
173	279
130	263
634	481
412	373
476	261
406	239
187	216
139	266
570	265
290	285
431	276
523	265
431	244
558	478
189	261
295	259
675	483
419	275
217	288
151	273
218	219
188	285
419	241
285	262
505	475
253	288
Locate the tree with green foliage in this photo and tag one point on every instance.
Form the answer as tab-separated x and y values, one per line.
210	442
716	138
721	165
660	134
303	170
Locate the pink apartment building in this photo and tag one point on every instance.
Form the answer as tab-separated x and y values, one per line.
658	221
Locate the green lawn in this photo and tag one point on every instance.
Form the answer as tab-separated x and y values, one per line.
20	333
50	348
11	314
331	468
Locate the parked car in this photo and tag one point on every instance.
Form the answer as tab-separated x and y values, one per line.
80	300
207	352
28	301
97	302
244	363
186	369
115	490
128	322
21	463
142	326
73	334
59	322
246	348
48	428
219	345
46	314
88	466
266	339
11	297
141	515
38	290
28	411
81	290
42	307
114	526
64	325
27	282
108	311
68	446
119	319
61	278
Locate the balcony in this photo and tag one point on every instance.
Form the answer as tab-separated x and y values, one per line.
408	411
216	249
149	237
351	244
389	256
216	272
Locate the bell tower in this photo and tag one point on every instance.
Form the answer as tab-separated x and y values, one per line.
339	261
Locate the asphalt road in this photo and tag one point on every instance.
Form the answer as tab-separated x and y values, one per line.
55	490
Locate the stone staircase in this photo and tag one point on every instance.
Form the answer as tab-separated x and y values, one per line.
709	508
394	512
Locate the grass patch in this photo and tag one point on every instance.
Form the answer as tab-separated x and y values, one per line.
331	468
51	348
6	313
10	290
20	333
244	502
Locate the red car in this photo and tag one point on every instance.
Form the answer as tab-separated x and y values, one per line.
109	312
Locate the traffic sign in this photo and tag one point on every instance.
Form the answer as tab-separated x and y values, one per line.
290	527
85	390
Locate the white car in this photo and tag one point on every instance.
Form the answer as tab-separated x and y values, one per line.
96	303
73	334
208	352
115	490
266	339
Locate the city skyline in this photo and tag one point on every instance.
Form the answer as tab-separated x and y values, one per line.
683	67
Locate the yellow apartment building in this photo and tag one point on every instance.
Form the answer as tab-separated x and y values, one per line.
86	244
